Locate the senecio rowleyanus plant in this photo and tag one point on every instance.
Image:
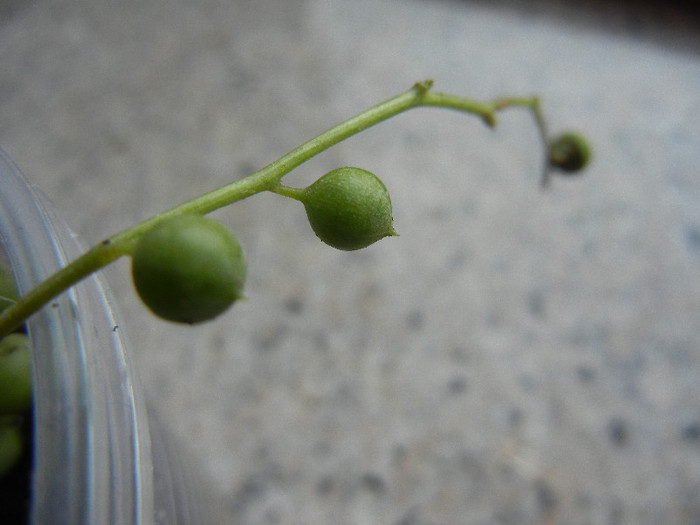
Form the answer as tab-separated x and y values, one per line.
189	268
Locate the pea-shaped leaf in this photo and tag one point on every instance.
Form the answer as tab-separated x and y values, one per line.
188	269
15	374
349	208
11	446
569	152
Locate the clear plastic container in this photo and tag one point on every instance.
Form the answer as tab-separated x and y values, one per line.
99	456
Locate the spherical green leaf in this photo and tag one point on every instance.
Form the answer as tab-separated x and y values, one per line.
349	208
11	445
569	152
15	374
188	269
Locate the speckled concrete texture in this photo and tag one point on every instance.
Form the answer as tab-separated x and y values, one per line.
514	357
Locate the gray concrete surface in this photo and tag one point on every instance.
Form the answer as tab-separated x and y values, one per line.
515	357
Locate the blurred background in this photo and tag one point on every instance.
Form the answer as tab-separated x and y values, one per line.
517	356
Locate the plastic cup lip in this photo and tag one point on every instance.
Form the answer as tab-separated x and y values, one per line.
92	457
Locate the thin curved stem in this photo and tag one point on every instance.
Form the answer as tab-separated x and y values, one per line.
288	191
265	179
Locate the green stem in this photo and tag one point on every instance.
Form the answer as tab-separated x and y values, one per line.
265	179
289	191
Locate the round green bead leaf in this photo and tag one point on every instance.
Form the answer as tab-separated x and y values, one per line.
188	269
15	374
569	152
349	208
11	446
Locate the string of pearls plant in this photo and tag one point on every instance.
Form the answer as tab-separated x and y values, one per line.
189	268
348	208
